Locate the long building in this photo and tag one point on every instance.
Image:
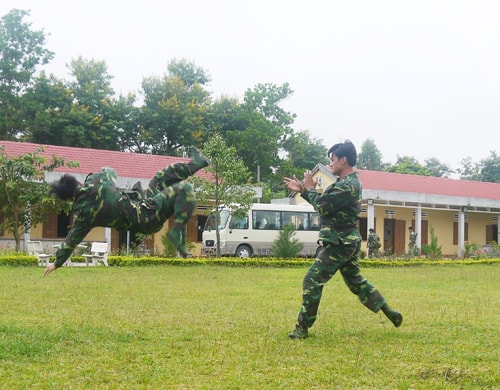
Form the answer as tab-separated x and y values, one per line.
459	211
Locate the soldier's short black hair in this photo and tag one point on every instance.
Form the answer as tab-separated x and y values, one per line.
64	188
345	149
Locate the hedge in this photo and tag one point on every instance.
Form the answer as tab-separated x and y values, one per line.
128	261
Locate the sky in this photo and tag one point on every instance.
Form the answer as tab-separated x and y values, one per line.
421	78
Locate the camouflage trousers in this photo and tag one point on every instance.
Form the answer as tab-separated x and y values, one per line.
331	259
175	196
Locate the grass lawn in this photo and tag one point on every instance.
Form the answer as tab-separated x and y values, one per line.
211	327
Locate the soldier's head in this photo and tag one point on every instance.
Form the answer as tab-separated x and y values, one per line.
64	188
371	230
343	157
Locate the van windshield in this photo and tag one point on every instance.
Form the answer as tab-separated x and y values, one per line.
212	220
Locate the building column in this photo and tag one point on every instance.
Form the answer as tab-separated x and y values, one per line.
461	232
418	226
498	229
370	223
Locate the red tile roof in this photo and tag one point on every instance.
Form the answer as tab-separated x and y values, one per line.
130	165
416	184
376	180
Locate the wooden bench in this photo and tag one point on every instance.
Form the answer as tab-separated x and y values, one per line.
98	252
35	248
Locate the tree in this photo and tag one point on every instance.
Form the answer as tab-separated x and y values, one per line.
21	51
24	199
487	169
226	187
409	165
370	156
469	170
47	110
175	108
437	168
286	246
91	123
490	168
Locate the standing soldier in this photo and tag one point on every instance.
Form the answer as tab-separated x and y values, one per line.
412	245
339	207
373	243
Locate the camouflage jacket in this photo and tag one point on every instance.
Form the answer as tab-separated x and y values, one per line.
98	203
373	241
339	207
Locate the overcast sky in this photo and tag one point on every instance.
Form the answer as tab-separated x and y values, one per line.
421	78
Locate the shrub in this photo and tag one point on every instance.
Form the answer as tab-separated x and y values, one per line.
286	246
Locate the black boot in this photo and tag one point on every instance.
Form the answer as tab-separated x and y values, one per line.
198	161
395	316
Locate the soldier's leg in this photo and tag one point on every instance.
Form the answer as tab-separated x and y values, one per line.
176	172
180	201
320	272
366	292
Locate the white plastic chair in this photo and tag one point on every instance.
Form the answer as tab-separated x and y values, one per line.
98	252
35	248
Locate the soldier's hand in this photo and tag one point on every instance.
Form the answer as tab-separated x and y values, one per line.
49	269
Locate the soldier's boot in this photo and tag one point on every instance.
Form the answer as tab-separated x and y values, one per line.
300	332
176	236
393	315
198	160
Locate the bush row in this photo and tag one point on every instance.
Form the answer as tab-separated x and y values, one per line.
128	261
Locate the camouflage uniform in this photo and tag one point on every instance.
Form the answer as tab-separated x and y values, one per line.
98	203
373	244
412	246
339	208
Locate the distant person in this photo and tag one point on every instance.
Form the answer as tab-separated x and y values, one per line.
339	207
412	244
98	202
373	243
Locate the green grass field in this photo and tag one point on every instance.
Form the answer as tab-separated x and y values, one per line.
210	327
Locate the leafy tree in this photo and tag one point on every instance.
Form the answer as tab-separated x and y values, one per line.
21	51
409	165
487	169
286	246
23	191
226	187
302	152
92	124
370	156
175	108
47	110
490	168
469	170
265	98
437	168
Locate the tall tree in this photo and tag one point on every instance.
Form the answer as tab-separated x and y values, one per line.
228	186
92	124
21	51
47	110
409	165
469	170
175	108
266	99
370	156
437	168
490	168
303	152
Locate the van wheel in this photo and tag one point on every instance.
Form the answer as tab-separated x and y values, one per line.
243	251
